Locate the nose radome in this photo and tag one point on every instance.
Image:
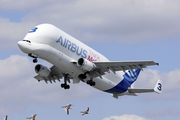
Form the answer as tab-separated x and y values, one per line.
23	46
20	44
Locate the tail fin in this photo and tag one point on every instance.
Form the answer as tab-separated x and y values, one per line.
132	75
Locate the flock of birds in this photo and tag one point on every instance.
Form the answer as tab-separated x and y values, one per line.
31	118
67	107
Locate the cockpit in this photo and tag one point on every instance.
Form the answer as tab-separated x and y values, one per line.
27	41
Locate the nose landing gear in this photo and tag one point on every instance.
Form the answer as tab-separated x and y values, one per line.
35	60
33	56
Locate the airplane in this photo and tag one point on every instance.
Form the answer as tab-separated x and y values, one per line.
67	107
73	60
6	117
32	118
86	111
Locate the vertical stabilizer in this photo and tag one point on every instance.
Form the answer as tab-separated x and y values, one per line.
131	75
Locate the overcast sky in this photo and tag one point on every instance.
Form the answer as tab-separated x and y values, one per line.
122	30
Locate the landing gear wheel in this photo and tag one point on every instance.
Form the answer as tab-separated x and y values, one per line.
91	83
35	60
67	87
88	82
64	85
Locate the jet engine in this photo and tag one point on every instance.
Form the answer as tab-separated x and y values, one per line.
42	70
86	64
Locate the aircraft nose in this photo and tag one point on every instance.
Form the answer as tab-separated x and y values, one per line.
23	45
20	44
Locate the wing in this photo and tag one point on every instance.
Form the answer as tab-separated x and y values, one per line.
122	66
87	109
33	116
54	75
5	118
67	111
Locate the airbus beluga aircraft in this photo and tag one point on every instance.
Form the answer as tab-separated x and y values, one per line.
74	60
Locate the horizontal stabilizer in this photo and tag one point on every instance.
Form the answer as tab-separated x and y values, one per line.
133	90
157	89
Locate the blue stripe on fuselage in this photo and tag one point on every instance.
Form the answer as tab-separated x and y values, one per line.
129	78
119	88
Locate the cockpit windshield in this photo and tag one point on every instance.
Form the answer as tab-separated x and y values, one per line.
27	41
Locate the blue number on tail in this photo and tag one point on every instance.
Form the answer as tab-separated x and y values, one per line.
159	87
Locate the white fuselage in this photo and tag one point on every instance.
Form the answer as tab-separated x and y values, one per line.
57	47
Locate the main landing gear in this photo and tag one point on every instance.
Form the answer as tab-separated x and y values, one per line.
64	85
89	82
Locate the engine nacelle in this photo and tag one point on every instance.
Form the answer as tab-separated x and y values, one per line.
42	70
86	64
